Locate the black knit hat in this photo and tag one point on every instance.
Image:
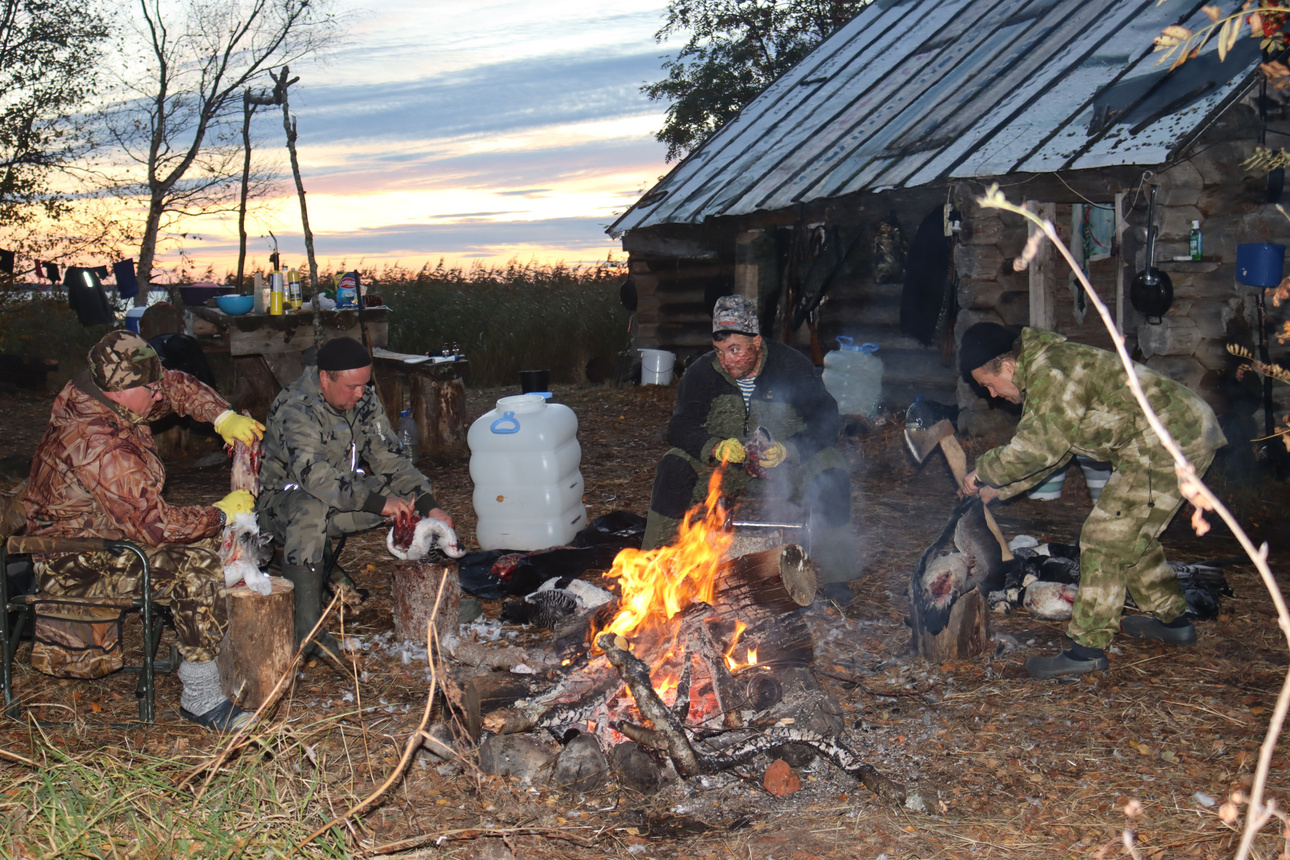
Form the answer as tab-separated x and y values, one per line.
342	353
983	343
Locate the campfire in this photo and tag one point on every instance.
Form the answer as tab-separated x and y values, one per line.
699	645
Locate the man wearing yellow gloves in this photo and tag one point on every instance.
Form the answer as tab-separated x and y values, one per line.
96	473
760	405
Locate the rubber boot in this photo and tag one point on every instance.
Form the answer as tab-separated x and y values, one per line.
308	585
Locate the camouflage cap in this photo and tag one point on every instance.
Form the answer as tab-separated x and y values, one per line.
735	314
122	359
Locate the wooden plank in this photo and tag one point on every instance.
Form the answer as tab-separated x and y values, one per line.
263	334
1043	272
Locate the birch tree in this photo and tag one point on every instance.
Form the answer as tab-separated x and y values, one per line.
181	126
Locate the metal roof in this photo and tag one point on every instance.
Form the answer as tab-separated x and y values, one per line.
917	92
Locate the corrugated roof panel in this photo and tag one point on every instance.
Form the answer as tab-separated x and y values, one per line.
770	137
913	92
877	96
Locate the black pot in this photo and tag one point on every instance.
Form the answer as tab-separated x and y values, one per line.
1152	292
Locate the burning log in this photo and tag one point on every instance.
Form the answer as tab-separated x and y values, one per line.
771	582
635	674
577	698
670	734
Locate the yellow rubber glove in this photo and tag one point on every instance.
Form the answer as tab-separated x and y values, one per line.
773	456
241	428
236	502
731	450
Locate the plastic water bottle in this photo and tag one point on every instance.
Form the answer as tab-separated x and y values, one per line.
408	434
853	375
524	462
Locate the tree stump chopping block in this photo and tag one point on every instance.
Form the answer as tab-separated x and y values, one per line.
415	587
966	634
258	644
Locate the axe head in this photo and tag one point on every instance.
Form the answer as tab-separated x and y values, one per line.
922	441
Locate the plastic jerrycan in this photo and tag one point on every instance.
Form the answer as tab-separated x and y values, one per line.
524	463
853	375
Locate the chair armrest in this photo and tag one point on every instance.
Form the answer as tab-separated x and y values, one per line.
21	545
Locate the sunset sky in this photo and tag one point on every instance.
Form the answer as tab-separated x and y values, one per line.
491	130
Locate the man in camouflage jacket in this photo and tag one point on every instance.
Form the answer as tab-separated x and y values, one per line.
332	465
1076	400
96	474
712	419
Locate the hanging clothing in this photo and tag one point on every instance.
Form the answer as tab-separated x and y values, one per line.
85	296
127	284
1093	229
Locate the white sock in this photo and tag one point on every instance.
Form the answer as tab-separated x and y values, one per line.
201	687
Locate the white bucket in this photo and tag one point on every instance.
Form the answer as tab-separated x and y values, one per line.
524	462
656	366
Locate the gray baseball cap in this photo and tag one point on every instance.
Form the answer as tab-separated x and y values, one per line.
735	314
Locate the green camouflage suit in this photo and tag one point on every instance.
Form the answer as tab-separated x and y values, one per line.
325	473
1077	401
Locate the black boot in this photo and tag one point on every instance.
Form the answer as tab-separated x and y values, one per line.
308	584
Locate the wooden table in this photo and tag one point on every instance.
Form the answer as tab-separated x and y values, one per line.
436	394
267	353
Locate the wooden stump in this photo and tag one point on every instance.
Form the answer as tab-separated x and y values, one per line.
416	585
966	634
259	643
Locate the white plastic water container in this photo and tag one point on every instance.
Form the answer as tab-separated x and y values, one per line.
524	462
853	375
656	366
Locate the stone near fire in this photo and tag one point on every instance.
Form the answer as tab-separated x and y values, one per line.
440	742
514	755
780	779
581	765
635	770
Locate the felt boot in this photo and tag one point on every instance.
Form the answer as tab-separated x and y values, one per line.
307	580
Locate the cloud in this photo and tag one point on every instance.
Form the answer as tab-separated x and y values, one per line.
502	97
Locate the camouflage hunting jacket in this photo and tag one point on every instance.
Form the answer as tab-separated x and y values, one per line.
1076	400
789	401
96	472
353	461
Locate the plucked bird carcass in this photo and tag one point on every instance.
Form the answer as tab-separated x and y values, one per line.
965	556
1050	581
412	537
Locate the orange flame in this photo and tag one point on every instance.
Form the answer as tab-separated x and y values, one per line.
656	585
731	662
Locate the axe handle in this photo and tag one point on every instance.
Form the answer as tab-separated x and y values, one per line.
958	466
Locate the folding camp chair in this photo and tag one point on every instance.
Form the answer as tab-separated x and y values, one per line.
93	622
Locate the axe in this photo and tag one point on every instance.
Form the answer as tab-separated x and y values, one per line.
923	439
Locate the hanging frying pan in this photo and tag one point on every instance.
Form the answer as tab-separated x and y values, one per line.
1152	292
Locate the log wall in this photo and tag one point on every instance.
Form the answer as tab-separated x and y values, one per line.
681	269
